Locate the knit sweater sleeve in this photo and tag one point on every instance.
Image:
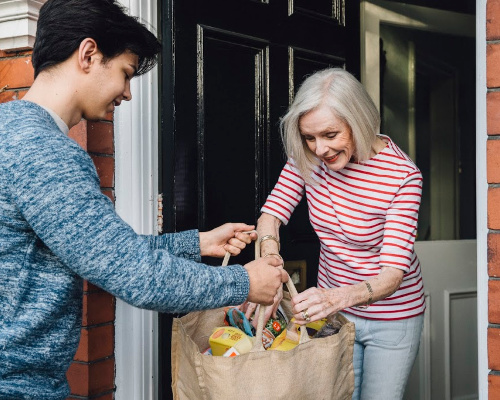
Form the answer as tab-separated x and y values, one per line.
180	244
56	188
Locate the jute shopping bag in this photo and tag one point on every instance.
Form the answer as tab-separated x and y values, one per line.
317	369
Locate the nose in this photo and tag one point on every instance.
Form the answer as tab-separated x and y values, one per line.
321	147
127	94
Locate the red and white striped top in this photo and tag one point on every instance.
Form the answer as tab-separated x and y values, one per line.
365	216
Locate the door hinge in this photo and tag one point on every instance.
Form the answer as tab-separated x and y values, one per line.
159	217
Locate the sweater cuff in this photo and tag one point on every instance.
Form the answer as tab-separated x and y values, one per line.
240	287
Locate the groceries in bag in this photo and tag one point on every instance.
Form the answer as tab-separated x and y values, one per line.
227	337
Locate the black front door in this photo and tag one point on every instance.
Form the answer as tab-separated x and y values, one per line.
229	71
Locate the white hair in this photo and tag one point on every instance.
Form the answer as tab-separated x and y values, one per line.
347	99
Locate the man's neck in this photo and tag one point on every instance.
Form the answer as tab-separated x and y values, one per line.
57	95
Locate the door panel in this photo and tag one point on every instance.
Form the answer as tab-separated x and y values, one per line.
232	124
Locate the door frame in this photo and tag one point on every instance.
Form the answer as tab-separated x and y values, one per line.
136	187
372	13
481	200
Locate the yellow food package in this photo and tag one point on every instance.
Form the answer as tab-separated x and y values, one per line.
312	327
281	337
316	325
223	338
283	343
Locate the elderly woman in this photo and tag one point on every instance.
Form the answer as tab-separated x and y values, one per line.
363	193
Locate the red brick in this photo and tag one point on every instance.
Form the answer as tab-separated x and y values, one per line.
493	161
105	168
8	95
494	208
91	379
95	343
493	387
98	308
494	302
89	287
79	134
100	137
16	72
494	254
4	54
493	19
494	348
493	113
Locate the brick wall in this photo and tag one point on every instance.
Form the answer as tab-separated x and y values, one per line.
493	177
92	372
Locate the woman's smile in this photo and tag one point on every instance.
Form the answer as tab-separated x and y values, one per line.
331	159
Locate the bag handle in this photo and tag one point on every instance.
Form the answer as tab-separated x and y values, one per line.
304	337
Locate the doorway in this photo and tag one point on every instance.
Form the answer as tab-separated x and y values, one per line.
424	85
229	71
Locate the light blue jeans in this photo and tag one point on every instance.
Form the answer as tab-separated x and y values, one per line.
384	353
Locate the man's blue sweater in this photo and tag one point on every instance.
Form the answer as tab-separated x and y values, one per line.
56	227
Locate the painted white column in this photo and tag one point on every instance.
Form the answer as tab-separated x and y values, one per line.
136	150
482	203
18	23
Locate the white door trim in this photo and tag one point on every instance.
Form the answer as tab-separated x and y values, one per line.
136	185
481	201
18	20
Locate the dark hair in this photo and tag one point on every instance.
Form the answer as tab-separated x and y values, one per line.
63	24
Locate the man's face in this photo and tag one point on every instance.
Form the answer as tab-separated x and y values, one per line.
110	84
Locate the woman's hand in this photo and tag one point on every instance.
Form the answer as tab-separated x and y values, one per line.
231	237
316	303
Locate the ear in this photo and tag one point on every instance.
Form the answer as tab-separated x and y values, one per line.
87	53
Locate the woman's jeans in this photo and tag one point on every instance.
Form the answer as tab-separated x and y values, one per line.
384	352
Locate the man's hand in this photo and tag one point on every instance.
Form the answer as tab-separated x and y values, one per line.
231	237
253	308
265	279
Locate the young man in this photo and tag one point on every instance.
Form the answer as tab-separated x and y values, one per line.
56	228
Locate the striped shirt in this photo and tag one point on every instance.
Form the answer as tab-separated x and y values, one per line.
365	216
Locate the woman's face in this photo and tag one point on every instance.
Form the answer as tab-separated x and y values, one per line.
328	137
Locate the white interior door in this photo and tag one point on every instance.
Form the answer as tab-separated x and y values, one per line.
446	366
418	89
